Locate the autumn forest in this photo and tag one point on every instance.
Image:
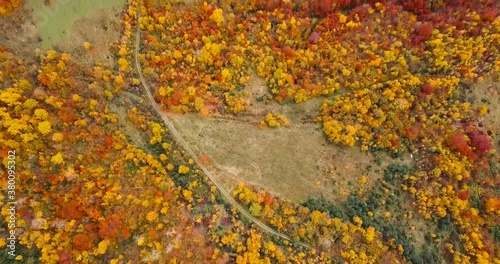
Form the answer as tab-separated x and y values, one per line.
96	169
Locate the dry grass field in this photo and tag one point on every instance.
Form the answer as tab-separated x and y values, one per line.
488	93
20	33
294	162
101	29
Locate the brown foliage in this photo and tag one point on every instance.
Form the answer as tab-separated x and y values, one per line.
112	228
70	210
427	89
83	241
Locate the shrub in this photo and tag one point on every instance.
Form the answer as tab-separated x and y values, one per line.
320	204
427	89
495	231
394	170
458	142
480	142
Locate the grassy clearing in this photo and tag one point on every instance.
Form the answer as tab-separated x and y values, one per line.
101	29
64	26
55	21
487	93
295	162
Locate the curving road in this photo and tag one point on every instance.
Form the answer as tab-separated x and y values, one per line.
184	144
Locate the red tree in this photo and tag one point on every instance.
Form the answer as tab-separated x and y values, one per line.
458	142
480	143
